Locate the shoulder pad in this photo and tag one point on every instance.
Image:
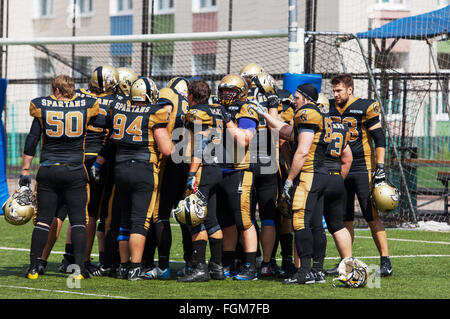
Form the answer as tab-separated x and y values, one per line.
35	108
167	95
158	116
308	114
287	115
373	110
247	112
199	114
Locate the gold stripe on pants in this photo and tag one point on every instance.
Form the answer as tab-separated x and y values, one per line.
299	201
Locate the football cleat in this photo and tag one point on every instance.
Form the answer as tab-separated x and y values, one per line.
199	273
247	272
216	271
157	273
101	271
32	274
385	269
122	273
266	269
229	272
65	264
319	277
41	266
287	271
301	277
90	267
332	271
136	273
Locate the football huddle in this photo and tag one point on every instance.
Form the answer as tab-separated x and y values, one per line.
252	171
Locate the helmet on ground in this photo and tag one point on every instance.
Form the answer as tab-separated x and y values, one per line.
19	207
385	197
192	210
144	90
126	77
232	88
104	78
352	272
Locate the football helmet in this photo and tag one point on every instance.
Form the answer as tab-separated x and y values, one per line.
126	77
192	210
265	83
237	84
352	273
104	78
179	84
249	71
19	207
385	197
144	90
284	206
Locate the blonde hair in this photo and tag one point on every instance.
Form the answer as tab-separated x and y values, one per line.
65	84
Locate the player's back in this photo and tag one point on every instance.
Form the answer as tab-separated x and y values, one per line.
64	127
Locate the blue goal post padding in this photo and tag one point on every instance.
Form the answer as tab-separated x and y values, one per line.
292	80
4	194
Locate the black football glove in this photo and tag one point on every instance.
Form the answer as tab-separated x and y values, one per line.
380	175
273	101
24	180
225	114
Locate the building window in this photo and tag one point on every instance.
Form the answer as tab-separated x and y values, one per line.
85	6
162	64
121	61
43	71
44	8
392	4
204	64
164	7
121	7
204	6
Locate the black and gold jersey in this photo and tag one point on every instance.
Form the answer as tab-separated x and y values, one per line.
340	136
132	130
205	124
310	117
180	106
359	115
235	157
97	132
64	127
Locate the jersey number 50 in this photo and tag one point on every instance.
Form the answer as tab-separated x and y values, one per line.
69	124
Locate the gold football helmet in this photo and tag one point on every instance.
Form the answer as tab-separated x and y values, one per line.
104	78
385	197
322	99
144	90
352	272
126	77
192	210
249	71
236	83
19	208
179	84
266	83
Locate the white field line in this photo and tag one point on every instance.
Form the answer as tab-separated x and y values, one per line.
64	292
411	240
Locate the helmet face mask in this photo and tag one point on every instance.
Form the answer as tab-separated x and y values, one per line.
19	208
352	272
385	197
144	90
232	88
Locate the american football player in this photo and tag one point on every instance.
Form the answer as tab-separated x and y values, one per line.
172	181
205	124
61	119
139	131
236	189
362	116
